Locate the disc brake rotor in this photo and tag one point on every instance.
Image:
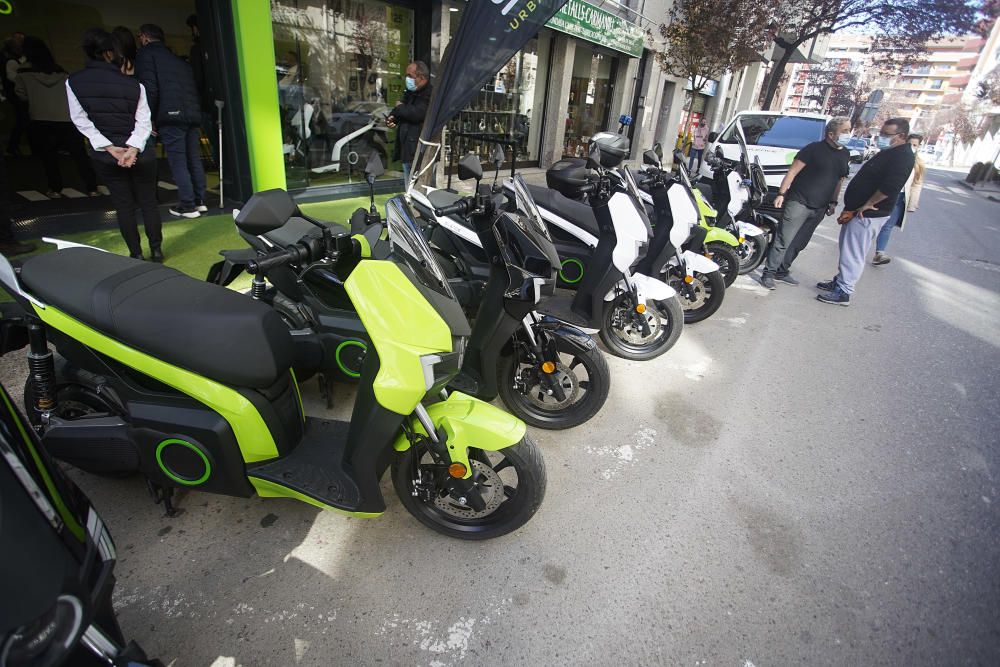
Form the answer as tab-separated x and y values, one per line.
631	333
700	296
490	487
567	380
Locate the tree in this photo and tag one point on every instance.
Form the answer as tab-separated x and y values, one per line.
900	27
703	39
957	119
989	88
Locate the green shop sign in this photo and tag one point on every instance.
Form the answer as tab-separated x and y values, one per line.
584	20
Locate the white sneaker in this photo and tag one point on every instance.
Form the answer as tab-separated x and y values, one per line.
201	208
185	211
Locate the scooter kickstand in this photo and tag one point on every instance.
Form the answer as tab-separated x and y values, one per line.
326	389
165	495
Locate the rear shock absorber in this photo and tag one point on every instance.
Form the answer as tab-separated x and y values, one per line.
257	287
41	369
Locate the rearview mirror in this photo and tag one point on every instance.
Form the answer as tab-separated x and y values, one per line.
650	158
266	211
712	136
374	168
470	167
719	153
594	158
498	156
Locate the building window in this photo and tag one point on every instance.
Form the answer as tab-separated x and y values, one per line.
937	83
590	92
339	69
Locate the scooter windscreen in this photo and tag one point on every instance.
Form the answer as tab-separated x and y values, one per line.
633	190
529	221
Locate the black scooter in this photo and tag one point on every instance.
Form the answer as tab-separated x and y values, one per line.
502	267
57	564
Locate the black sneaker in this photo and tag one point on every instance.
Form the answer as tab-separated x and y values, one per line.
137	256
828	286
767	281
836	297
156	255
786	278
185	211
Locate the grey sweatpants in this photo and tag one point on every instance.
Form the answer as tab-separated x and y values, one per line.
856	238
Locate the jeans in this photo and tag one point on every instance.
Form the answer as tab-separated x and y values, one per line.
882	241
798	222
856	239
47	138
695	153
183	147
131	188
406	175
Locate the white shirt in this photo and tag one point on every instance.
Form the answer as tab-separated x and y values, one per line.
140	133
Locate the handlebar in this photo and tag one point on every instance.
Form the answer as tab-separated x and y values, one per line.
262	265
461	207
584	189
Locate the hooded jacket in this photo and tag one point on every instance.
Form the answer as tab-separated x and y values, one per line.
45	93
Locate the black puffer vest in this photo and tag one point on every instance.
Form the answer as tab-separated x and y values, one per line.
109	97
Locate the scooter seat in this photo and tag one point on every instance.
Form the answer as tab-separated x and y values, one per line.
204	328
578	213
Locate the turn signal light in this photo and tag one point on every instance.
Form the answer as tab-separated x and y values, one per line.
457	470
641	308
548	367
743	239
689	279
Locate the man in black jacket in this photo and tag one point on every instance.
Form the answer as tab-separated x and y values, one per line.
868	201
176	111
408	115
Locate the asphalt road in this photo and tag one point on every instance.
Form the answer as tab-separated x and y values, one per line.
794	483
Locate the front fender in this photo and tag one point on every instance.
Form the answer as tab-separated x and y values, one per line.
699	263
721	235
469	422
574	337
646	289
749	229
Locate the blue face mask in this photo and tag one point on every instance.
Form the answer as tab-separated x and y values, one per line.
883	142
845	139
411	83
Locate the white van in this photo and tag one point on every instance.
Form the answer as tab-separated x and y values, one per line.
772	136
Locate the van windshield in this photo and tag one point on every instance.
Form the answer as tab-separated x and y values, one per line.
779	131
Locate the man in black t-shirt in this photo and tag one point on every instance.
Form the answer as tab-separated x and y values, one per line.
806	195
868	201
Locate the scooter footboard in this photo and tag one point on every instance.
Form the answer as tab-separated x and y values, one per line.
469	422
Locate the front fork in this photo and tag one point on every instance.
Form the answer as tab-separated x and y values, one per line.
637	308
545	358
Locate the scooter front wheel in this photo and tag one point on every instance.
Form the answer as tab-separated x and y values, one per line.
583	376
701	298
752	252
625	338
727	259
511	482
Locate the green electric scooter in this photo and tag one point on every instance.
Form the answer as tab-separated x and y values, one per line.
191	384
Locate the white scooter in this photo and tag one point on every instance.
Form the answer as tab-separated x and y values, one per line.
637	316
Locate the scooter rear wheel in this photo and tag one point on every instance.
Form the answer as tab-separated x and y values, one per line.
587	391
511	481
727	259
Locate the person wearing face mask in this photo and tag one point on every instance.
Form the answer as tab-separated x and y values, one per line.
698	143
868	201
907	201
408	115
807	194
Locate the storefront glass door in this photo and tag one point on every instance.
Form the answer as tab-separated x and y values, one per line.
339	66
591	89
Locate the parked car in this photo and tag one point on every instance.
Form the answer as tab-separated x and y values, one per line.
771	136
859	150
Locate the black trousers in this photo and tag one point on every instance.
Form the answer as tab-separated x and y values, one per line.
47	138
132	188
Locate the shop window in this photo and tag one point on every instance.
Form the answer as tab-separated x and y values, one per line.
591	88
339	66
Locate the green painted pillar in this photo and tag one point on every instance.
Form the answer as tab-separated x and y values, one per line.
255	52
